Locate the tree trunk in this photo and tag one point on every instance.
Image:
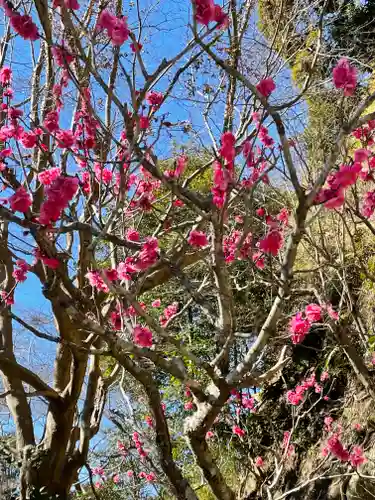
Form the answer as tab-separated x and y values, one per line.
38	476
210	470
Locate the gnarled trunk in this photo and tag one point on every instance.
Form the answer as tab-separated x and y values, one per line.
38	475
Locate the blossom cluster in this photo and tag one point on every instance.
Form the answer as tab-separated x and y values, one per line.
300	324
335	446
296	395
206	11
116	27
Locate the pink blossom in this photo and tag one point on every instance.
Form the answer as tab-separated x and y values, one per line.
259	260
286	438
20	272
331	312
8	298
51	121
28	140
345	76
156	303
313	313
181	164
136	47
121	447
337	200
144	122
187	393
328	424
337	449
238	431
5	75
361	155
106	20
248	403
357	427
24	26
98	471
148	255
119	32
117	28
366	175
168	313
154	98
142	336
235	394
111	274
283	216
189	405
116	321
51	262
298	327
209	434
220	17
222	178
310	381
206	11
324	376
346	176
255	116
271	243
126	269
71	4
65	138
197	238
295	397
62	57
130	473
5	153
150	477
230	246
14	113
149	421
368	206
58	195
227	149
103	175
266	87
259	462
116	478
21	200
96	281
264	136
48	176
132	234
356	456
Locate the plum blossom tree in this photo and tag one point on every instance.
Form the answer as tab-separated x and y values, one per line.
125	240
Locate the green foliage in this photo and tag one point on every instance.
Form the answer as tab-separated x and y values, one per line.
353	29
303	60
